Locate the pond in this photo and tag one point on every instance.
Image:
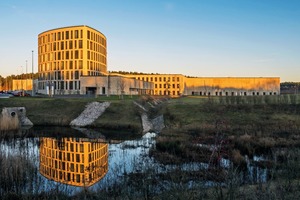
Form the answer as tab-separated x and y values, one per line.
69	161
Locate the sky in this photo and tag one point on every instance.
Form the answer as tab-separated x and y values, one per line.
204	38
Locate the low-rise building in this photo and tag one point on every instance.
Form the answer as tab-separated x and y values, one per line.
114	85
177	84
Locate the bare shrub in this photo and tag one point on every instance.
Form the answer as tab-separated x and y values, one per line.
245	138
267	142
237	158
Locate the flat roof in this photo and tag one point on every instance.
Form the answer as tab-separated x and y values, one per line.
72	27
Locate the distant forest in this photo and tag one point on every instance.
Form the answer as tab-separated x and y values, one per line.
290	87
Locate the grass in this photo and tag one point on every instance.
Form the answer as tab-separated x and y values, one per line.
248	125
61	111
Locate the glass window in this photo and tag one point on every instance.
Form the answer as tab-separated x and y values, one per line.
67	55
76	34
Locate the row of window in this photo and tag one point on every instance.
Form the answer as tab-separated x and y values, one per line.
60	85
166	92
96	47
68	65
70	55
69	164
160	79
201	93
60	35
64	55
96	37
167	86
61	75
73	177
63	45
70	35
69	45
75	146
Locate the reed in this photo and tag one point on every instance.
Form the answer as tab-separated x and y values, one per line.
8	123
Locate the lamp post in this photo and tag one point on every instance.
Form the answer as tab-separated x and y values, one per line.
22	89
32	90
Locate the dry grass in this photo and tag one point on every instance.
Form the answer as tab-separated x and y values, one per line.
237	158
8	123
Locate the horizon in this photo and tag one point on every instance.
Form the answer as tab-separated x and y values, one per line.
251	38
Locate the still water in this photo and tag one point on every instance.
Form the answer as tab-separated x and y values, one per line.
54	160
69	160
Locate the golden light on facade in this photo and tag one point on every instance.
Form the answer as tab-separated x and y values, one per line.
73	161
67	53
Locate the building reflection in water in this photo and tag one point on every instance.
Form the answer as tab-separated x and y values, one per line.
73	161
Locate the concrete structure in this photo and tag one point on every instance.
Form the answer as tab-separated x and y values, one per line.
177	84
72	60
232	86
65	54
16	112
114	85
78	162
164	84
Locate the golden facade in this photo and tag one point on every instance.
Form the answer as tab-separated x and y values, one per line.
177	84
65	54
73	161
24	84
232	86
164	84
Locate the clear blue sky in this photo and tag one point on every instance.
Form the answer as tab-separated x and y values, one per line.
214	38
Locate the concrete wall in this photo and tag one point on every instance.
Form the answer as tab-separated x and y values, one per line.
229	86
114	85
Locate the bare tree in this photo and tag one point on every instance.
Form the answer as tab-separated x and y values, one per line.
121	87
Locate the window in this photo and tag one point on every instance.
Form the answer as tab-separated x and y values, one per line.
67	55
80	44
67	35
76	34
88	34
70	44
76	54
76	74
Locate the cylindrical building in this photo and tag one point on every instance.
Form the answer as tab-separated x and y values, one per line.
65	54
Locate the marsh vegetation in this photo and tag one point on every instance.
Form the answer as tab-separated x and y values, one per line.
211	148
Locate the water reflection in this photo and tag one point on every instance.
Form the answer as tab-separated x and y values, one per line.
73	161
